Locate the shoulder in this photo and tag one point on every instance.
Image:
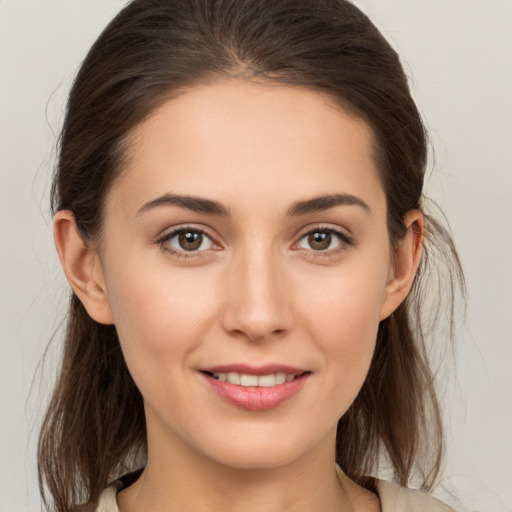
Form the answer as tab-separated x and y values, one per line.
394	498
107	501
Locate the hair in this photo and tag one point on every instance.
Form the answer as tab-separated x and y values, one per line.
153	50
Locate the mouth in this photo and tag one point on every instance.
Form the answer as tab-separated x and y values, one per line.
251	380
255	389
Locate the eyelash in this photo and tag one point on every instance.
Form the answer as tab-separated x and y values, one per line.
163	242
345	242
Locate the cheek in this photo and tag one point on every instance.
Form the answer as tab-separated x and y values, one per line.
342	313
349	332
159	311
347	300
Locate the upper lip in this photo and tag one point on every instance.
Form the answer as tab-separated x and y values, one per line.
255	370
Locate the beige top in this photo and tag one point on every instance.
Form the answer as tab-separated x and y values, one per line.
393	498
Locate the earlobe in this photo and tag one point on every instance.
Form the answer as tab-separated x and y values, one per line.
82	267
406	261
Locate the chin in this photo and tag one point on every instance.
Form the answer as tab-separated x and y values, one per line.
261	450
256	459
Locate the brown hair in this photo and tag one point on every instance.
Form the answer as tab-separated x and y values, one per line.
94	427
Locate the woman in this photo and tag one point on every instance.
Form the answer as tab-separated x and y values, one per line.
238	210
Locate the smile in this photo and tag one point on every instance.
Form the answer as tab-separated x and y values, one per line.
255	389
246	379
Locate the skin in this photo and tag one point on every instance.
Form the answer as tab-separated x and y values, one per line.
257	292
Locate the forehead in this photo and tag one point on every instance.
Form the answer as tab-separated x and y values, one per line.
242	142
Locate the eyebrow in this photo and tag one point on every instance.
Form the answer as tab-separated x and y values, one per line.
193	203
211	207
321	203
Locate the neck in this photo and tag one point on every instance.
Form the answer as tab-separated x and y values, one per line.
177	478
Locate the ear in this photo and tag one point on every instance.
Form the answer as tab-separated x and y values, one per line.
403	269
82	267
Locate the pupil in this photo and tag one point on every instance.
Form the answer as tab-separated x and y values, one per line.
319	241
190	241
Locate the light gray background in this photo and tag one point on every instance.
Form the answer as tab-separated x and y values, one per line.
459	56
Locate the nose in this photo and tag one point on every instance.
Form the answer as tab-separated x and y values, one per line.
258	304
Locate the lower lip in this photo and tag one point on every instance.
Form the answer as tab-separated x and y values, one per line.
255	398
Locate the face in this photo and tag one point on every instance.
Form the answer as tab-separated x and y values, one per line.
246	265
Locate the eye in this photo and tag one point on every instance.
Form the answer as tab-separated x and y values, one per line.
323	240
186	240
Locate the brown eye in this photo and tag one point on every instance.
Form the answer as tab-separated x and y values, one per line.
320	240
190	240
186	240
324	240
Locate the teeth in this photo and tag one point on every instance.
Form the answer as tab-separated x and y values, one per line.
266	381
248	380
281	378
233	378
244	379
